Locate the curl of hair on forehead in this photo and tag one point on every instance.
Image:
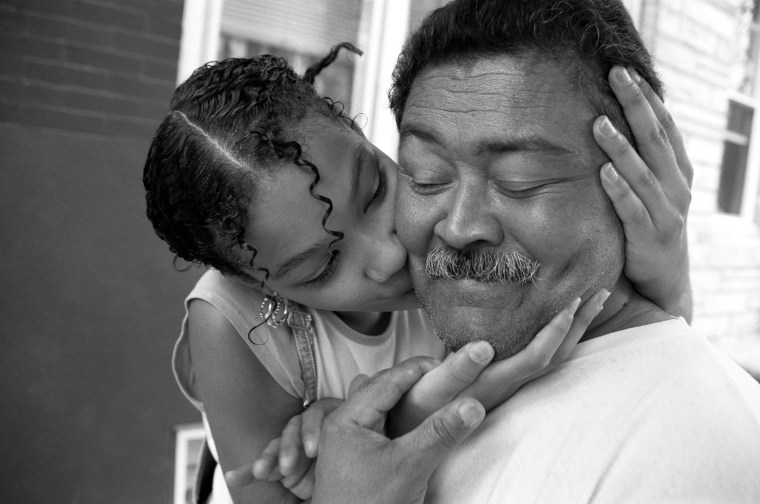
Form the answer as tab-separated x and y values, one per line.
292	150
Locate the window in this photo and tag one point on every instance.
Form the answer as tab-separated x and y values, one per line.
740	167
301	31
188	441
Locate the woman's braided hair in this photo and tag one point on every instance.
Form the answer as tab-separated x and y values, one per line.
227	127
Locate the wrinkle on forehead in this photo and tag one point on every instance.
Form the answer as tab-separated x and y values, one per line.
452	87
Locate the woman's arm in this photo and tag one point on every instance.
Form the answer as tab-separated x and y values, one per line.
244	405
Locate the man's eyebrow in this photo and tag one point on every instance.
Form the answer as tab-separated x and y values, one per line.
409	131
286	267
519	143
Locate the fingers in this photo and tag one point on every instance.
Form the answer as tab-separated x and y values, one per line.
439	433
581	321
267	468
636	219
311	423
540	351
240	477
652	140
356	384
626	161
368	405
438	386
291	447
464	367
458	371
667	122
304	487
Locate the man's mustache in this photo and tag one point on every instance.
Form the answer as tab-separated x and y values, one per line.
482	265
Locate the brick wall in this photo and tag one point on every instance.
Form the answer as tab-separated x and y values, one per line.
90	303
93	66
694	42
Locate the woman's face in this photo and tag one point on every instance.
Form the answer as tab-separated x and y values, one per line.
285	225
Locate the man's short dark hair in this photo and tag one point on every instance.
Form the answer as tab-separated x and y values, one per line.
589	37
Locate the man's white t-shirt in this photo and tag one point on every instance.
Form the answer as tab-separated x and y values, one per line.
651	414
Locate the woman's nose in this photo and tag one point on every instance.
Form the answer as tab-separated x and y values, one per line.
386	260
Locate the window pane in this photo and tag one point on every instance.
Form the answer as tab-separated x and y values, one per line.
419	9
732	178
739	118
734	166
303	31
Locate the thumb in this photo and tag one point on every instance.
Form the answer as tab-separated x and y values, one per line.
441	432
356	383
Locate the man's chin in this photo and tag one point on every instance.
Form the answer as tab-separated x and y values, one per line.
504	316
458	325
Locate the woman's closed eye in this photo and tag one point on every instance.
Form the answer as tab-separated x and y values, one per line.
326	272
379	194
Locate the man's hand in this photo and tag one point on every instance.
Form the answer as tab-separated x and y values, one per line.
358	463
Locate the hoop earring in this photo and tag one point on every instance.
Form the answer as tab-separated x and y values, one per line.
274	310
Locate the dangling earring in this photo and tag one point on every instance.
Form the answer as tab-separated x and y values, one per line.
274	310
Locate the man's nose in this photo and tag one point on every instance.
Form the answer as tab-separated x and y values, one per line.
470	220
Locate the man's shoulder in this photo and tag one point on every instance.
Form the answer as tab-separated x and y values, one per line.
670	357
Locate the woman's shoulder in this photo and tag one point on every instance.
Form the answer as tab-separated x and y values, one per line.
224	312
215	283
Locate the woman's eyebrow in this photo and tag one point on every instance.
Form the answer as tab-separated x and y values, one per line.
287	266
359	160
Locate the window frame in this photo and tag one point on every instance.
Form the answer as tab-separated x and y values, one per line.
751	185
752	169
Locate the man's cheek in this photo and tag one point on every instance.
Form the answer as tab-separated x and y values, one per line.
414	224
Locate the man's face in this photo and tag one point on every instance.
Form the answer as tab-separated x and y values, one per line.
498	155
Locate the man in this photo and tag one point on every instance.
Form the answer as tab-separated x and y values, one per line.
494	100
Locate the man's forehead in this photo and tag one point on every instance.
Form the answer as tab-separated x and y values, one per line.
531	88
521	61
527	89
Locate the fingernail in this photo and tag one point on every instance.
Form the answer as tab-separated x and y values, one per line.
480	351
606	128
635	75
610	172
258	468
602	298
229	478
623	76
471	413
574	306
309	447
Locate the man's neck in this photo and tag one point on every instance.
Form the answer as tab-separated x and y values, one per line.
624	309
